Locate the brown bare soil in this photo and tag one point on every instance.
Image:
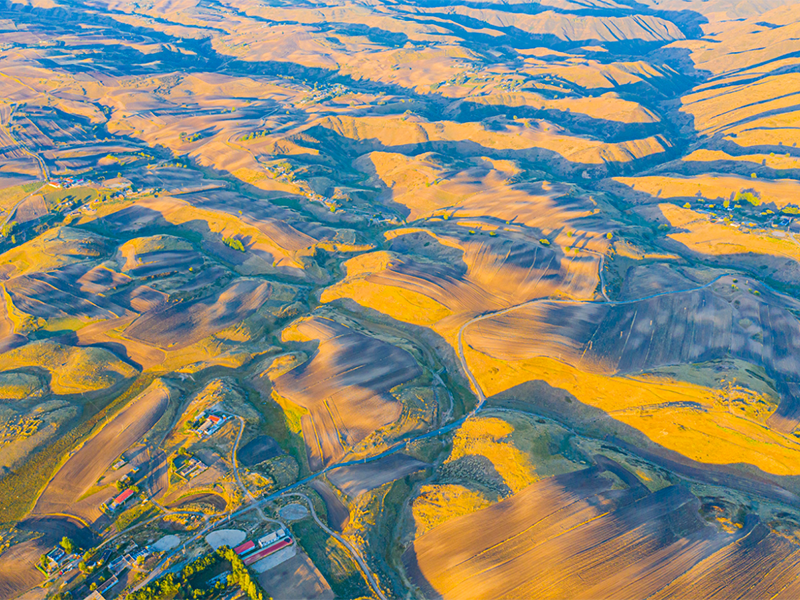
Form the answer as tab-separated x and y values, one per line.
574	536
338	514
344	387
720	321
357	479
17	566
86	466
215	500
369	216
71	370
17	570
296	578
180	325
31	209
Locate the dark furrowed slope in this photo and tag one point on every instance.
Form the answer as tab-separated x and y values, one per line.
345	388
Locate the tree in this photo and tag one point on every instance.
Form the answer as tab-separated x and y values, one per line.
234	243
8	229
67	545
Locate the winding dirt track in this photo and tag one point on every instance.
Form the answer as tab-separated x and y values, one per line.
474	382
370	578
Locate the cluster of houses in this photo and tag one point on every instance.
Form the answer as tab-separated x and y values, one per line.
210	422
68	182
103	588
251	552
129	559
56	558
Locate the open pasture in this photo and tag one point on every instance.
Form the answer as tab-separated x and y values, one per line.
215	501
338	513
60	294
270	247
182	324
158	256
18	570
296	578
710	188
438	276
54	248
32	208
71	370
257	450
717	322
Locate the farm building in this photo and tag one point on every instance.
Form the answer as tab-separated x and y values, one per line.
254	557
108	584
188	466
57	555
120	500
269	544
55	558
212	423
244	548
118	565
128	560
272	537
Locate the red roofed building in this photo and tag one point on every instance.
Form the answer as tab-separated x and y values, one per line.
244	548
256	556
121	499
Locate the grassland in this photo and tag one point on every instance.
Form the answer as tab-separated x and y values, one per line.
332	559
72	370
298	577
23	486
688	419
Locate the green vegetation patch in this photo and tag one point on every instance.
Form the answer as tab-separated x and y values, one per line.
137	514
194	581
747	197
332	559
234	243
18	386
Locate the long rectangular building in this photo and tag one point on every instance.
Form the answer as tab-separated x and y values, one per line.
244	548
257	556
